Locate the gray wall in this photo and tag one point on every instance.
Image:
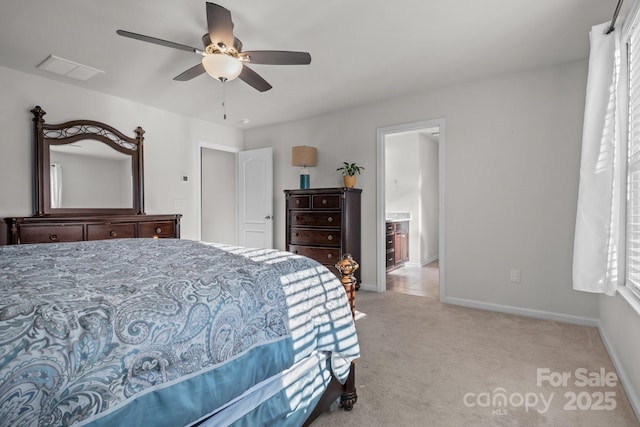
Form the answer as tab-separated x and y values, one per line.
511	176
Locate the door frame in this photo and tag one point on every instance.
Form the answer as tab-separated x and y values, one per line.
211	146
381	133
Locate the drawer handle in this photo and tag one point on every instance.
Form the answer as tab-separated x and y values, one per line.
324	201
329	237
295	251
330	219
53	237
295	218
389	241
295	234
158	230
113	233
297	202
329	256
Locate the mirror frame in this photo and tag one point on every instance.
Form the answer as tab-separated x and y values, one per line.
46	135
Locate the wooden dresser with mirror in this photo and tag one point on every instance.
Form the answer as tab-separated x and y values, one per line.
88	185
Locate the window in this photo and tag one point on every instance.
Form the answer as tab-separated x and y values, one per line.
633	160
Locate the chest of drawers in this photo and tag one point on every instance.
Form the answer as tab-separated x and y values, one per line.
25	230
324	224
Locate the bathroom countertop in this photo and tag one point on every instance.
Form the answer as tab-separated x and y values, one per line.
397	216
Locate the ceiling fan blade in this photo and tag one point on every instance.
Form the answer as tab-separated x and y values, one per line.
277	57
253	79
220	26
158	41
192	72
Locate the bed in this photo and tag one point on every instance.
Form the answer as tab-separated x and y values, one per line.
167	332
155	330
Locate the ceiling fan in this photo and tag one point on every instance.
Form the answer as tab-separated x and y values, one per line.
222	57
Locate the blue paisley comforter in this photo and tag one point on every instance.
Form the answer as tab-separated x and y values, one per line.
156	332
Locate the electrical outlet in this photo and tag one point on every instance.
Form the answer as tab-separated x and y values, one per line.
514	276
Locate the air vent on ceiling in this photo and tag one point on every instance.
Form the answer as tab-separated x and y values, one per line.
68	68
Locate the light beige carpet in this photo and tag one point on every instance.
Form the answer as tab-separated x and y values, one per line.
428	364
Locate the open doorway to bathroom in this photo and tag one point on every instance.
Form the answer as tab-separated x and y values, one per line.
410	157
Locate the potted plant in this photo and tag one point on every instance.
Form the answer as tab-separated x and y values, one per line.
349	171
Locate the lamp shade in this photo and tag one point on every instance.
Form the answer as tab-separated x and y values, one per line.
303	156
221	66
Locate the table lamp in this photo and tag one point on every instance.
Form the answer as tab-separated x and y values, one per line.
304	157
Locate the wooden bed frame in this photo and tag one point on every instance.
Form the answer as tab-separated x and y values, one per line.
345	392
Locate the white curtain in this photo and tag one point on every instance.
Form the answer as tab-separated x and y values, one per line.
598	254
56	185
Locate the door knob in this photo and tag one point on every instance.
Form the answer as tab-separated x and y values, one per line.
267	217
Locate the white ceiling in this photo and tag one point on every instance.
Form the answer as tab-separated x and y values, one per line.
362	50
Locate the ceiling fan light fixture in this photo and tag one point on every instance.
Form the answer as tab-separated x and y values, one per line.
221	66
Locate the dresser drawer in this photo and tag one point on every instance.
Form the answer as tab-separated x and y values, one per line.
51	233
304	236
157	229
110	231
325	201
315	219
322	255
390	238
299	202
390	259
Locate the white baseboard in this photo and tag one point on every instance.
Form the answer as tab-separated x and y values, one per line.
538	314
430	260
422	263
624	378
367	287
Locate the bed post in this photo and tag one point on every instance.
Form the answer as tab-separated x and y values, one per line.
347	266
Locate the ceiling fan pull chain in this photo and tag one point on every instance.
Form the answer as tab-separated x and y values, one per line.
224	97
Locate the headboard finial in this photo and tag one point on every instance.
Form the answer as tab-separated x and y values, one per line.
38	111
38	116
140	132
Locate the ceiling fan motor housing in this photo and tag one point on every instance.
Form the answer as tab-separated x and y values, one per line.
208	45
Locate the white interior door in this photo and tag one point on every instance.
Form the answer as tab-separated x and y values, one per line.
255	198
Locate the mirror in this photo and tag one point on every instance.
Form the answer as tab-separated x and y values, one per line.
89	174
86	167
